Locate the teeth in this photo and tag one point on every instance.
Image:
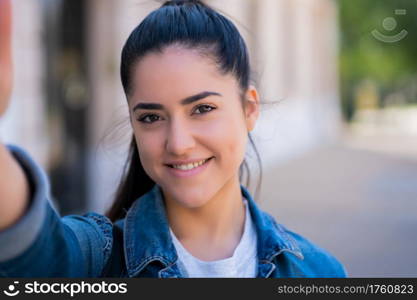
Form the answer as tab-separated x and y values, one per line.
190	166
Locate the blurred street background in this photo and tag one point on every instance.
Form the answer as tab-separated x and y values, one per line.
337	134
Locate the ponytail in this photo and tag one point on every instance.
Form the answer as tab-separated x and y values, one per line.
133	184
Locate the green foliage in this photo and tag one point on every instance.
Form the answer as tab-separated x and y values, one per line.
390	66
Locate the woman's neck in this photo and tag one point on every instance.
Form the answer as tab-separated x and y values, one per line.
213	231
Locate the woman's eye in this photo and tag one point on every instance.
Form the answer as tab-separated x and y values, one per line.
204	108
148	119
152	118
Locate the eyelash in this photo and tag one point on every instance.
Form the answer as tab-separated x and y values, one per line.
143	117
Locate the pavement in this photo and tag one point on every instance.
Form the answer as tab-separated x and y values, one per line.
359	202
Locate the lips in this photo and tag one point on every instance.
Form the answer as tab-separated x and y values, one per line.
187	163
188	173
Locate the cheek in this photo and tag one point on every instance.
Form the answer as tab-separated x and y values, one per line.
228	138
149	150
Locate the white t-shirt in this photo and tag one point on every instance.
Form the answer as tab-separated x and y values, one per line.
243	263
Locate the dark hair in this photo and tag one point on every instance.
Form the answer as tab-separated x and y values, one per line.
194	25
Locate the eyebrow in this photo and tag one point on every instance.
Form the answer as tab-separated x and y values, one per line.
184	101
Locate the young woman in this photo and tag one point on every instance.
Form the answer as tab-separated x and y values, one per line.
180	210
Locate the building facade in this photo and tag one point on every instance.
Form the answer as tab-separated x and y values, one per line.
70	113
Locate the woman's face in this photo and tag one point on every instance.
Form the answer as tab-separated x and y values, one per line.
184	110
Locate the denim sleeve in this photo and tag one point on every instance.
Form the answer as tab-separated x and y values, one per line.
43	244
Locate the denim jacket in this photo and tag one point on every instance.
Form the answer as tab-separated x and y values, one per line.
44	244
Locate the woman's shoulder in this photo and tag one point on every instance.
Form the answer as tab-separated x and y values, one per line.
318	258
315	261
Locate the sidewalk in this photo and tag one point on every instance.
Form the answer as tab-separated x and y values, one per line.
357	202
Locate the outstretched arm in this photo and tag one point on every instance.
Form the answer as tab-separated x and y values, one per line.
5	54
14	191
34	240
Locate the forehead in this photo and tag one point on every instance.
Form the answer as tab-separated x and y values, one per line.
176	73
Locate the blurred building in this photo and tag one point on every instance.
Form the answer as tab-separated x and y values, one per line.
69	110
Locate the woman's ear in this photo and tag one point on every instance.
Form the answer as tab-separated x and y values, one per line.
251	105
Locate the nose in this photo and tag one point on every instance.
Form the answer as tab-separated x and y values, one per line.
179	139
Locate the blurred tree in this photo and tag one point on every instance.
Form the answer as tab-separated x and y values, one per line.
391	66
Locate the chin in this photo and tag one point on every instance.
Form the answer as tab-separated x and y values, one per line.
191	198
193	203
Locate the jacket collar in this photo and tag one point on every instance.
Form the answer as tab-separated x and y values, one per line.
272	237
147	238
146	231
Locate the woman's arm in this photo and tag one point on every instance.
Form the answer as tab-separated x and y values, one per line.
43	244
5	54
14	189
34	240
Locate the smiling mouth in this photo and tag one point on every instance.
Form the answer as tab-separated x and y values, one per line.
187	167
